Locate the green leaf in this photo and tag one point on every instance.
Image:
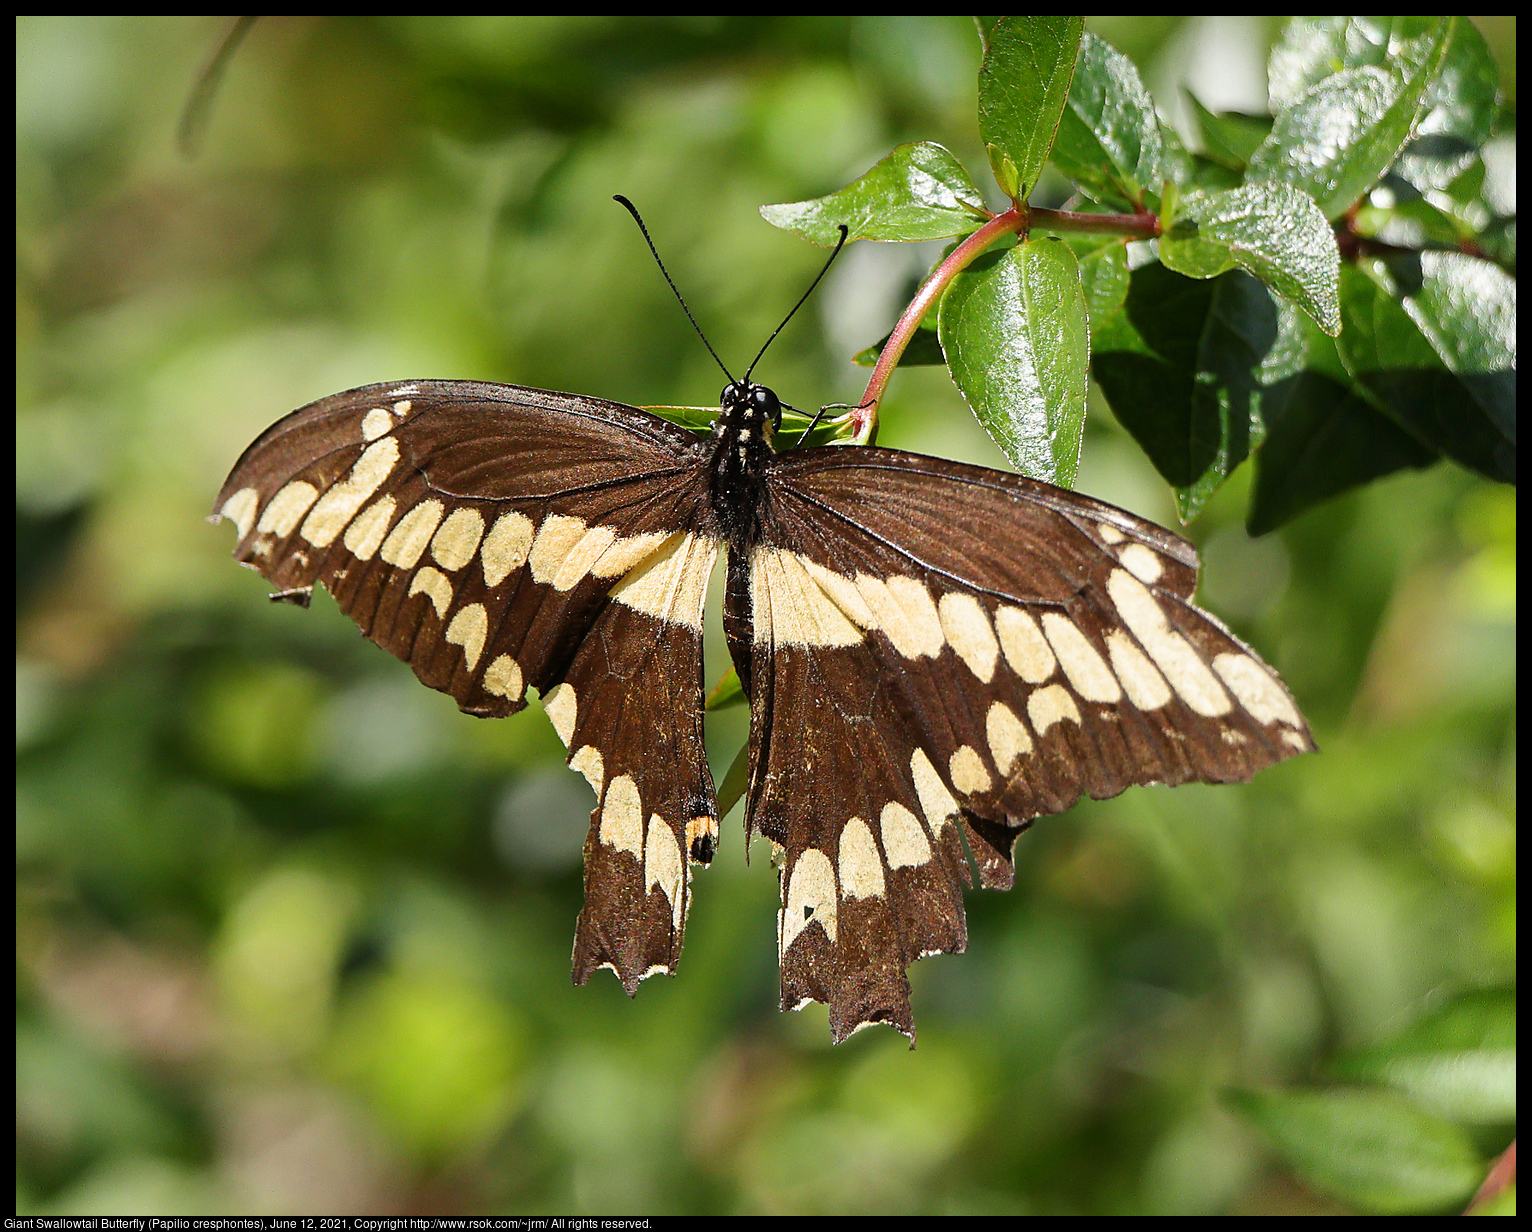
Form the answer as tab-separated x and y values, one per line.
727	692
1017	339
923	348
1459	1061
734	782
1229	138
1371	1149
1023	85
1108	139
1323	434
1462	102
1270	230
919	192
1178	365
1336	139
1469	417
698	419
1103	275
1466	308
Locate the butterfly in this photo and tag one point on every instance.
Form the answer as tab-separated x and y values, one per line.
934	653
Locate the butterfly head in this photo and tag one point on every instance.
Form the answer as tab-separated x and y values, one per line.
751	408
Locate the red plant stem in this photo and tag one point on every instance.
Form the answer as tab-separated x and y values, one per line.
1502	1175
1019	219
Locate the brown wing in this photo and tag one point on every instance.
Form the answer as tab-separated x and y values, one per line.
942	653
495	538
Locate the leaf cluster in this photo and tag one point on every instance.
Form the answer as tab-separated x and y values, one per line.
1330	289
1400	1137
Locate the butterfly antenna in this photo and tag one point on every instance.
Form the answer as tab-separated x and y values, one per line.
841	243
633	209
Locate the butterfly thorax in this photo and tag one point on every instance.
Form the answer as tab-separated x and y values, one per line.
741	453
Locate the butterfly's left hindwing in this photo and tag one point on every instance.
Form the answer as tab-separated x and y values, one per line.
498	538
940	654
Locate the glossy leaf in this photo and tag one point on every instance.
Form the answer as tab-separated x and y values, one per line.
1023	86
919	192
1462	102
727	692
1338	137
1017	339
1229	138
1272	231
1459	1061
1179	367
1371	1149
1103	275
1324	436
1108	140
1469	417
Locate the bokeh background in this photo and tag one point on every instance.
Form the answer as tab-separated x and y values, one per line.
293	934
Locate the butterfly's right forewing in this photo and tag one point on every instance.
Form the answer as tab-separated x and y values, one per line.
498	538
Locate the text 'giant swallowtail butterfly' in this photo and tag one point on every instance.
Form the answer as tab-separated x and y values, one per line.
934	654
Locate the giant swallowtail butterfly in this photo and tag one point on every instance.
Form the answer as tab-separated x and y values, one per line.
934	654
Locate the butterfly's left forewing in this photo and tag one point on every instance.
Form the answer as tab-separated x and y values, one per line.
498	538
940	654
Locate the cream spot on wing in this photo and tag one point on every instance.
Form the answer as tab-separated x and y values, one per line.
503	678
556	538
1256	690
1233	738
240	508
1026	650
365	534
796	608
1086	669
286	507
505	547
1109	533
1295	739
903	839
1141	562
968	773
562	706
434	583
458	538
904	612
810	897
622	817
843	591
402	409
1051	705
936	801
375	423
589	549
625	552
588	762
671	585
662	866
339	505
468	629
967	630
1007	735
1145	687
861	868
411	533
1188	675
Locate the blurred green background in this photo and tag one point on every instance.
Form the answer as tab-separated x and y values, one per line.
293	934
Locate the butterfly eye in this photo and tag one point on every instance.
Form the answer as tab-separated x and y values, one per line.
766	402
